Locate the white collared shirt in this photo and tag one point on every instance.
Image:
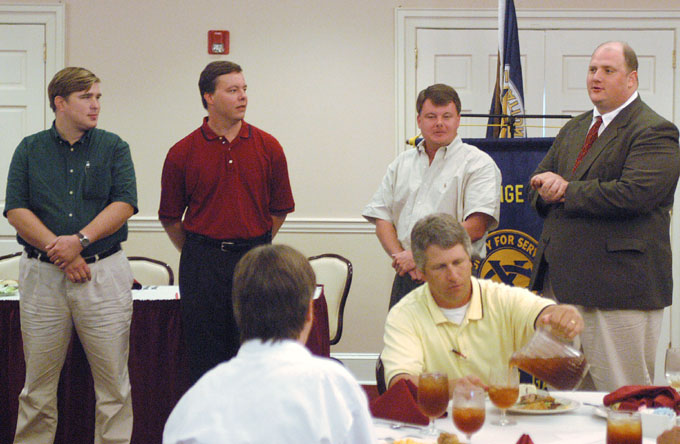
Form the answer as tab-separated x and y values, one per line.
608	117
272	392
461	180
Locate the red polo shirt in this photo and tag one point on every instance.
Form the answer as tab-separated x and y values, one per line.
228	190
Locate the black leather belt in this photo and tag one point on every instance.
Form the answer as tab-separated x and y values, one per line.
231	244
34	253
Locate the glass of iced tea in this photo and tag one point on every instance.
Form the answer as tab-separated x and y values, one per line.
469	409
433	397
672	369
624	427
503	392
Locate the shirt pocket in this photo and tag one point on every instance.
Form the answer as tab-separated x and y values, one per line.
97	183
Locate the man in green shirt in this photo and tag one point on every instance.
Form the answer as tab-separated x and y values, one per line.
70	191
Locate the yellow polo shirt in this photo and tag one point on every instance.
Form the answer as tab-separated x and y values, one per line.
499	320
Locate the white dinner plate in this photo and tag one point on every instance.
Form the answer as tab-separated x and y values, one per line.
567	405
600	411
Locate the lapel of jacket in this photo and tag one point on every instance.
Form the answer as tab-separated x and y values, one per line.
606	139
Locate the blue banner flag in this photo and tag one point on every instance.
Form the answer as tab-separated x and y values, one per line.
508	96
510	249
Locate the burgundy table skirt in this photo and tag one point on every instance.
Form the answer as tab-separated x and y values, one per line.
158	368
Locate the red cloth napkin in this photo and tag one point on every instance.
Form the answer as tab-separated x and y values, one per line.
632	397
398	403
525	439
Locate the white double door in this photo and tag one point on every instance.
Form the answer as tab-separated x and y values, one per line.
554	68
22	95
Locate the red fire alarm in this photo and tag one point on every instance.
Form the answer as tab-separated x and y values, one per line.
218	42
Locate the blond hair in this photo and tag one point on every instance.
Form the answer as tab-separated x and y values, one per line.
68	81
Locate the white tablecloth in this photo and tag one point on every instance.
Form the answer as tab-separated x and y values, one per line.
157	292
147	293
580	426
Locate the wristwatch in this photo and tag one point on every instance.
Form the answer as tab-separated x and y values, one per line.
84	240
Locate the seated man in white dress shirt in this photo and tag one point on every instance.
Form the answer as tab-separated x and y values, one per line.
274	390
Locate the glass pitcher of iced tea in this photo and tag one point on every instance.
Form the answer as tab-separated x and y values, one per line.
552	360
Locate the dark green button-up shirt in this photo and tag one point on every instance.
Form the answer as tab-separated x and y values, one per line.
67	186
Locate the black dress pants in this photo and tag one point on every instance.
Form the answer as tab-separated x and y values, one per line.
401	286
209	326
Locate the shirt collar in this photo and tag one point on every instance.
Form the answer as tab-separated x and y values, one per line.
209	134
84	139
257	346
475	310
450	148
608	117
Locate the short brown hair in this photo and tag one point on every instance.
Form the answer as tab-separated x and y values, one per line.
273	285
440	229
440	95
68	81
206	83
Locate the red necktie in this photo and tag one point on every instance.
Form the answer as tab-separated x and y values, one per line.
590	138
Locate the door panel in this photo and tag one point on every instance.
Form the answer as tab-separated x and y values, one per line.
466	59
22	94
568	55
554	68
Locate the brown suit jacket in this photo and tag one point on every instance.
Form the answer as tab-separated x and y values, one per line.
608	244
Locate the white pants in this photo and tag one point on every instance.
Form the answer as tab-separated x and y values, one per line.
101	312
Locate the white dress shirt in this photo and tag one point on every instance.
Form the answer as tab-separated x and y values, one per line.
461	180
272	392
608	117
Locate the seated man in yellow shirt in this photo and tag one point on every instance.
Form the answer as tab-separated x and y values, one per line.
456	323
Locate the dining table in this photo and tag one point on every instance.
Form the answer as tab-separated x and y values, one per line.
582	422
158	367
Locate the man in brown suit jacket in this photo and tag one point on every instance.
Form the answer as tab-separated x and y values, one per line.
605	245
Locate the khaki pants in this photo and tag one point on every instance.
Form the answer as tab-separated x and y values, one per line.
620	346
101	312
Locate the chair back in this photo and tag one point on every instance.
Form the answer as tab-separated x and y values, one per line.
334	272
9	266
380	376
149	271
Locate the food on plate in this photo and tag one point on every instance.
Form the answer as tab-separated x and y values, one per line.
411	441
444	438
8	287
448	438
535	401
614	406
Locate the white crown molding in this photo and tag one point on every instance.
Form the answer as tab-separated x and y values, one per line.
436	13
291	225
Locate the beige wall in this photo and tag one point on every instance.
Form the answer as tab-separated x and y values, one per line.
321	79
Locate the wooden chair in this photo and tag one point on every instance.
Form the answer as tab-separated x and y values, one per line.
334	272
9	266
380	376
149	271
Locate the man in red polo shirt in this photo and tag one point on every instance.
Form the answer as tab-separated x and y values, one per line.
224	190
